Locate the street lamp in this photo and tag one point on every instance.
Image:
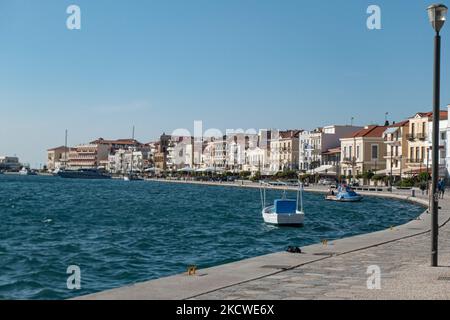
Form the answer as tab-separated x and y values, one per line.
437	15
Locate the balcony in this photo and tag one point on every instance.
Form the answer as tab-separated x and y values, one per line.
421	136
348	160
417	136
415	161
394	143
393	156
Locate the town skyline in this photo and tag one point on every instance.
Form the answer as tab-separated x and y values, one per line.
258	64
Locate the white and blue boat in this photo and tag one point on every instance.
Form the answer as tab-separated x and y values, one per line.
344	194
284	212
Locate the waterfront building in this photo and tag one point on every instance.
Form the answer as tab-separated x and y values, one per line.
396	140
363	151
124	161
238	144
180	153
256	160
57	158
219	153
284	150
160	157
88	156
313	145
331	159
9	163
115	145
420	141
207	155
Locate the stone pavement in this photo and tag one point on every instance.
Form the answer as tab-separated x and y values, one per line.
337	270
405	274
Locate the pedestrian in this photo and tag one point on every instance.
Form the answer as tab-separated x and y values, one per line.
441	188
423	187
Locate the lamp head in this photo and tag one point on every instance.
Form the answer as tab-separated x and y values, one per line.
437	13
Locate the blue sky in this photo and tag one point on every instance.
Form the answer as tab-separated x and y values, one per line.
160	65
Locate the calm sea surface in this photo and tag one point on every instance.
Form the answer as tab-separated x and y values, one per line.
120	232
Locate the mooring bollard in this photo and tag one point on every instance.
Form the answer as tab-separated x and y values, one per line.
413	193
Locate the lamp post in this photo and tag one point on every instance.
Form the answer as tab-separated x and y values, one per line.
437	15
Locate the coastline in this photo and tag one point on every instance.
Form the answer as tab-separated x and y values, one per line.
218	278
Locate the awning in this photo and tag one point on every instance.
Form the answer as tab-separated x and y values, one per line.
322	169
387	172
391	130
209	169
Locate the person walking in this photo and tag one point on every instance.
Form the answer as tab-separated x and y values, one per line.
441	188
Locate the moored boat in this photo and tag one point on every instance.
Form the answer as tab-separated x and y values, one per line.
283	212
27	172
83	174
344	194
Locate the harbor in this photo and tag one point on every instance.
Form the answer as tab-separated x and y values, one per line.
333	270
209	151
166	227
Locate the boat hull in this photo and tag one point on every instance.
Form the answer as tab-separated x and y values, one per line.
82	175
350	199
295	219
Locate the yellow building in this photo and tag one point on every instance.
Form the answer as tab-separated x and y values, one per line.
363	151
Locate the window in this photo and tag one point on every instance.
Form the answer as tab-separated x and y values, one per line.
443	135
345	152
374	151
413	127
357	152
350	152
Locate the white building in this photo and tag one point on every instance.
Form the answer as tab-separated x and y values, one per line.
124	161
313	144
9	163
256	160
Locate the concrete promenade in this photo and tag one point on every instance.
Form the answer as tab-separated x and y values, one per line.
334	270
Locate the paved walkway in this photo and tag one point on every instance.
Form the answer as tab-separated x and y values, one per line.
337	270
405	274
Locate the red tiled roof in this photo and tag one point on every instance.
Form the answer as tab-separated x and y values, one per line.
443	114
368	132
59	148
118	141
400	124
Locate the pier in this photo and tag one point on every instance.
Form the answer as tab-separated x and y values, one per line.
328	270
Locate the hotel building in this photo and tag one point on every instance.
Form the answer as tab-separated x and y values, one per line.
363	151
314	144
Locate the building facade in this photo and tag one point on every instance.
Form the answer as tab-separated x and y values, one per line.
420	141
89	156
9	163
284	150
314	144
396	141
363	151
57	158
